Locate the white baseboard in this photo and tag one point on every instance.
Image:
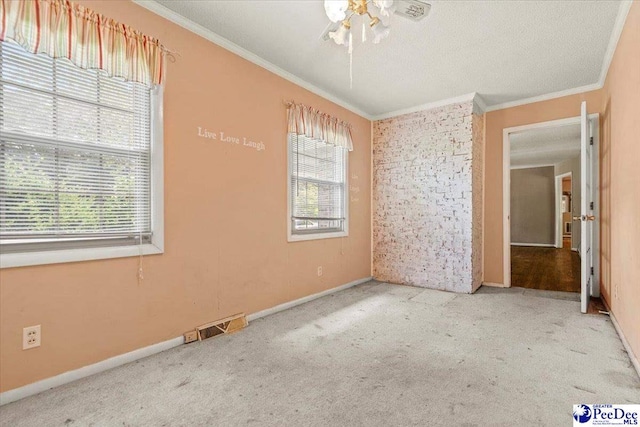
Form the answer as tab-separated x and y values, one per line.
542	245
291	304
70	376
494	285
625	343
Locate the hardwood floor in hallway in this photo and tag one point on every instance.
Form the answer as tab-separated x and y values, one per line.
545	268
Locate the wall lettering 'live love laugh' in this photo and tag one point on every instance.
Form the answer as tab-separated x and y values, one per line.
222	137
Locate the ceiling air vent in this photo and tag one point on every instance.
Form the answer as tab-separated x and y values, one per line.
413	9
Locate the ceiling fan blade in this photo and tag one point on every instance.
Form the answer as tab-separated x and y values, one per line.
331	27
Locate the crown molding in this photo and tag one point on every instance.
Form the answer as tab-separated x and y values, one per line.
479	103
532	166
560	144
623	11
545	97
203	32
428	106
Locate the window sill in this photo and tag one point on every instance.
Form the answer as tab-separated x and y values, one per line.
25	259
316	236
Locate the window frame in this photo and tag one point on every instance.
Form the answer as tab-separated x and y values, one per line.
315	234
156	246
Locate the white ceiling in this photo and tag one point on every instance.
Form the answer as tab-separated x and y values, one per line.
544	147
503	50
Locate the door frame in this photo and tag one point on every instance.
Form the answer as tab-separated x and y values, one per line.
506	192
558	222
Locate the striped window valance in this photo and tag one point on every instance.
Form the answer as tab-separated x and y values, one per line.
89	40
319	126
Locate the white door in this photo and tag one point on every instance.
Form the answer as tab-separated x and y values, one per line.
586	209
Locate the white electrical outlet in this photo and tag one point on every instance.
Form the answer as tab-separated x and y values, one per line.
319	271
31	337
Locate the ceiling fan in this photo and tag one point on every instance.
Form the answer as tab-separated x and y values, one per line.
342	12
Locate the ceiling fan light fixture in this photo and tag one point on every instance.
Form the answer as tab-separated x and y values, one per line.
380	31
387	7
341	35
345	10
336	10
378	12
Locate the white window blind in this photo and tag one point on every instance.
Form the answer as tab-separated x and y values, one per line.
318	180
75	152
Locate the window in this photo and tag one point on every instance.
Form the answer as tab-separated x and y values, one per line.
80	162
317	189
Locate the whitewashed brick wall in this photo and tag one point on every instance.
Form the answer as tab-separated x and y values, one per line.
423	212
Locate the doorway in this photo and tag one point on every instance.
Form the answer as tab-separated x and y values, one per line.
565	205
542	162
546	254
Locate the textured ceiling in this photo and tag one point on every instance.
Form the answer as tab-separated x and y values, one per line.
548	146
503	50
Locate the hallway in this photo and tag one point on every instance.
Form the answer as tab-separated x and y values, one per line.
545	268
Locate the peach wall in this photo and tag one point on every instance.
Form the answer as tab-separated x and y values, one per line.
620	182
226	247
496	122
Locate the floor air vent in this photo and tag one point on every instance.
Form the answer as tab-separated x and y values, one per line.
225	326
